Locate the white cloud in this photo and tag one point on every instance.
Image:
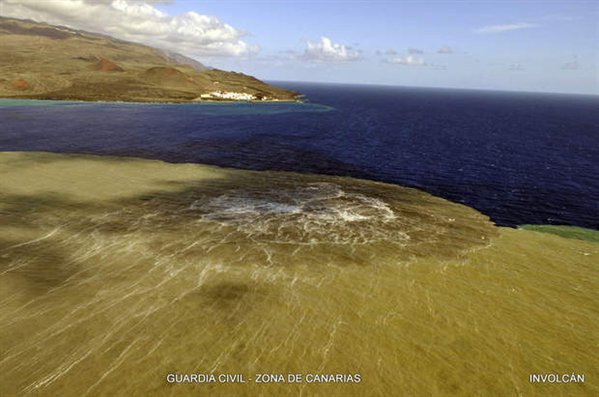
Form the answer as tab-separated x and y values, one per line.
505	28
326	50
137	20
409	60
415	51
445	50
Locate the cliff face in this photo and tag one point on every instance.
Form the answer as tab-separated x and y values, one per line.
42	61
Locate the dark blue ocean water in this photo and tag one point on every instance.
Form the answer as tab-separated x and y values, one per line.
517	157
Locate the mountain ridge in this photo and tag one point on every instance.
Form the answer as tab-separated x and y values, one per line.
43	61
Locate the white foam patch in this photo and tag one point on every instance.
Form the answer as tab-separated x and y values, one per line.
313	213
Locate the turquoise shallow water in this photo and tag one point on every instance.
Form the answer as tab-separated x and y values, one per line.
6	102
204	108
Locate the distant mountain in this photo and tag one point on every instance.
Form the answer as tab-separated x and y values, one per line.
43	61
183	60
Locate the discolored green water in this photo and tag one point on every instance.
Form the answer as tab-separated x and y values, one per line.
115	272
579	233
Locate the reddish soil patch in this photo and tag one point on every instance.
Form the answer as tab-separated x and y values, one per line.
106	65
20	85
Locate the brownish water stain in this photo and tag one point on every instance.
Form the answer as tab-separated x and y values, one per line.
115	272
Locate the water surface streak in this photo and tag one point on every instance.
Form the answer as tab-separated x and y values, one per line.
115	272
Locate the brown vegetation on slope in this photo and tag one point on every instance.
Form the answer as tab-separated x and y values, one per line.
60	63
171	77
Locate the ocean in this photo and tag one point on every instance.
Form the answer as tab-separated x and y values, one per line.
520	158
363	239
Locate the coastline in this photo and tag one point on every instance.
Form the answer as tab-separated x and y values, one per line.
158	101
152	102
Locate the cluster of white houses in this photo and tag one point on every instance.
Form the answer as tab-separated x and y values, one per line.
232	96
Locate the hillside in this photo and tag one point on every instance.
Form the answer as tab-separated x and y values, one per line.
41	61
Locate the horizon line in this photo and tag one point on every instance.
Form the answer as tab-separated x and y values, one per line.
433	87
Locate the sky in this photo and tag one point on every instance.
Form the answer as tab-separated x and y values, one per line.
547	46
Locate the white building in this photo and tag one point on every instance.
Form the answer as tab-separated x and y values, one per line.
229	95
